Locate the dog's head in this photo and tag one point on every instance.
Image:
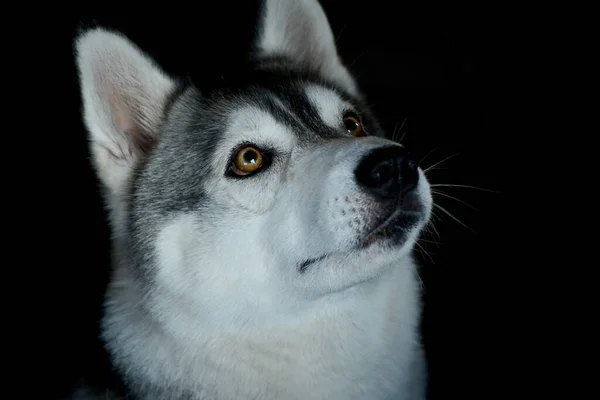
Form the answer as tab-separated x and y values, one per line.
261	195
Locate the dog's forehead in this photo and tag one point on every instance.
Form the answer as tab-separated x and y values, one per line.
300	111
251	123
328	103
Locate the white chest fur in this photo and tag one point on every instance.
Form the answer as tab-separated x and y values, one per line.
362	346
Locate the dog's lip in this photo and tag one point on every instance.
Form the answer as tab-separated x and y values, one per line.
414	211
368	240
303	266
395	216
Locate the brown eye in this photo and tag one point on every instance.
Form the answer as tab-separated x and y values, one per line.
353	124
247	160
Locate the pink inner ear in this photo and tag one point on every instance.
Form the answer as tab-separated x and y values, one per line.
123	119
129	124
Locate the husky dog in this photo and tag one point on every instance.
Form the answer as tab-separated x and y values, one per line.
262	230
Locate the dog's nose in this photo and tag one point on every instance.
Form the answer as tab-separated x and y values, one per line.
387	172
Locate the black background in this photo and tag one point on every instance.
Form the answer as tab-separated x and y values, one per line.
434	72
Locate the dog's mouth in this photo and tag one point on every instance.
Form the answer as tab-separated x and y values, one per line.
400	222
303	266
392	232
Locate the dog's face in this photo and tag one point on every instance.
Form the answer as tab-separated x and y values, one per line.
260	196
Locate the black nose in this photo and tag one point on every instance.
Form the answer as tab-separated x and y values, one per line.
387	171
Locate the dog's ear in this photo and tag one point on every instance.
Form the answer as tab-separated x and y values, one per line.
124	94
299	29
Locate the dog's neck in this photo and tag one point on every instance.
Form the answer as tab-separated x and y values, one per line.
336	334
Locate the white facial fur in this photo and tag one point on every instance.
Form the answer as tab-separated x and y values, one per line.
244	246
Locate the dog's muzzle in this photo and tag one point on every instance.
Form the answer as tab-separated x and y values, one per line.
390	175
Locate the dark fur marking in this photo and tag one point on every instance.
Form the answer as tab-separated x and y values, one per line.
303	266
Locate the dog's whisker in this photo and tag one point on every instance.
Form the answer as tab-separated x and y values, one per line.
402	137
436	169
355	60
434	229
395	132
405	132
435	232
427	229
425	252
339	35
437	192
448	213
463	186
434	217
421	283
428	154
440	162
432	240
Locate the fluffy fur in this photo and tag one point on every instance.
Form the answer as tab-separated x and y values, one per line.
260	287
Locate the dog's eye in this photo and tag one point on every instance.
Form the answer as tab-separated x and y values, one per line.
353	124
248	160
